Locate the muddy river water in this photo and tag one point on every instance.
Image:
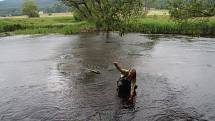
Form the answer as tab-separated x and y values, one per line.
48	77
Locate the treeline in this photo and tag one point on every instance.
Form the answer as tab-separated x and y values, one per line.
156	4
165	4
57	8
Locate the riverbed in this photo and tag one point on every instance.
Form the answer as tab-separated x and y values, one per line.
50	77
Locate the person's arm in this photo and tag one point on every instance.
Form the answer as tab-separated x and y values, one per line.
122	71
132	93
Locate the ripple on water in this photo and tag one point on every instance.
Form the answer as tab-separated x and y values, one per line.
51	78
161	102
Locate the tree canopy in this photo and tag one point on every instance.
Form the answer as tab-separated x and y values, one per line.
107	14
29	8
185	9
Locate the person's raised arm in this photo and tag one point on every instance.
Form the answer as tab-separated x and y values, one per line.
119	68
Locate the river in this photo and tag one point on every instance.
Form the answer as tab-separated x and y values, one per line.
48	77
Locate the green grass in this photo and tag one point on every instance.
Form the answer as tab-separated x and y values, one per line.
164	25
152	24
43	25
73	28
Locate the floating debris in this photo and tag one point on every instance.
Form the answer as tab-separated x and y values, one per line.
94	71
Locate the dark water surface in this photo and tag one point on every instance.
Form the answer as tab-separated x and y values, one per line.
49	78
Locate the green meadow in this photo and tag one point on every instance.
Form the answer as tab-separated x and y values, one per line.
152	24
42	25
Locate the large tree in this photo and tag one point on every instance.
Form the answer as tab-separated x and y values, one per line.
29	8
186	9
108	15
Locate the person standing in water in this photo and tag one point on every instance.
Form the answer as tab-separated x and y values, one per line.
126	84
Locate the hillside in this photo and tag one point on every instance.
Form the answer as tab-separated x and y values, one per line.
12	7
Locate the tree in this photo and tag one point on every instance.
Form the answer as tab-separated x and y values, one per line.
108	15
192	15
29	8
158	4
149	4
186	9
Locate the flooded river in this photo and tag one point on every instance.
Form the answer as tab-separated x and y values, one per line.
48	78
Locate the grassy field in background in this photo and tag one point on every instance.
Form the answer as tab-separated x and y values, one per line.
42	15
158	12
156	22
43	25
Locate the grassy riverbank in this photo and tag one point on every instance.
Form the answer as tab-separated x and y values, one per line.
43	25
152	24
164	25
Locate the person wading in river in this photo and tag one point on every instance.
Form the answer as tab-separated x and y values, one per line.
126	84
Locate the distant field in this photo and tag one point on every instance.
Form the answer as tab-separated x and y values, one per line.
43	15
158	12
150	13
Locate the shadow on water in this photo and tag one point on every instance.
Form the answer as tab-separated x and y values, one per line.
73	78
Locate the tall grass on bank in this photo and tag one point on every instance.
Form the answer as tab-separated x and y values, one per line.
73	28
164	25
9	26
45	25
